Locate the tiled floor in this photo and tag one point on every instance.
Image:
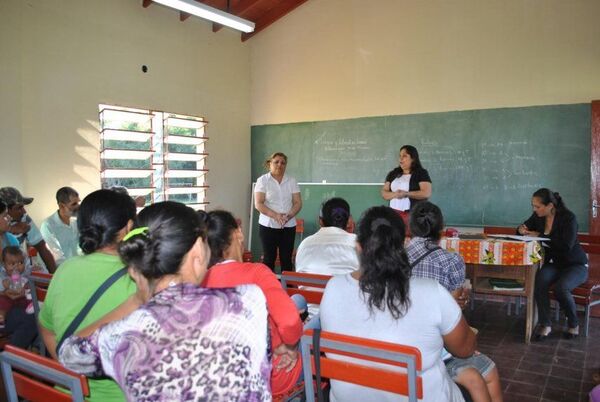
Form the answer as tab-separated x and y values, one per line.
557	369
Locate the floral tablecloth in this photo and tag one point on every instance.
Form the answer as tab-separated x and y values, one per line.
495	252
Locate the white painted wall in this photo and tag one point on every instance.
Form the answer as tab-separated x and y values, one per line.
335	59
60	58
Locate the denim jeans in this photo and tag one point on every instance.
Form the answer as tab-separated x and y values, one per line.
565	279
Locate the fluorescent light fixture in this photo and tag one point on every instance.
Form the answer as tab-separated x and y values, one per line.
209	13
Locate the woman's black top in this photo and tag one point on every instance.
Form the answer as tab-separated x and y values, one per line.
416	177
563	248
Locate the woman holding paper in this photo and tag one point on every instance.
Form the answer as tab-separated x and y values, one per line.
277	198
565	262
408	184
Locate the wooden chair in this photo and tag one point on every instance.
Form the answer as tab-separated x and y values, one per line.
32	377
587	294
310	286
384	376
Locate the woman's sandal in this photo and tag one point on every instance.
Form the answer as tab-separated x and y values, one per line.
571	333
542	334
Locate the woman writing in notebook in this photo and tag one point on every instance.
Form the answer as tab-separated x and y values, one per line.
408	184
565	262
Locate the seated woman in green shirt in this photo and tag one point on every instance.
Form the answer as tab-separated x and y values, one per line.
105	216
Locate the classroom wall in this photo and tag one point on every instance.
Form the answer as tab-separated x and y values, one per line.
10	97
61	58
336	59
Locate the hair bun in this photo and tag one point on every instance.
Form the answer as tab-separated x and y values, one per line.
90	238
132	251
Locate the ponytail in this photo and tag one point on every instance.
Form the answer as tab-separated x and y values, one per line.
385	271
426	221
546	197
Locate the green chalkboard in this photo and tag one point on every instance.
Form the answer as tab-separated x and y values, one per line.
484	164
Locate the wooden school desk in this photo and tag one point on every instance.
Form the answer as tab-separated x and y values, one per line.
491	258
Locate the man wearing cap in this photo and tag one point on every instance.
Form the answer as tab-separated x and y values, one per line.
60	229
22	225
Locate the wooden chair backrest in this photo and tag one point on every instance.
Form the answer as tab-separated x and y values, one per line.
404	382
588	238
38	284
32	377
591	249
303	279
308	285
300	226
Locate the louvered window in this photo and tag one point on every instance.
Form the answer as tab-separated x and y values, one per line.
156	155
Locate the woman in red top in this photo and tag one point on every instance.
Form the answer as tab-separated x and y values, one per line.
226	269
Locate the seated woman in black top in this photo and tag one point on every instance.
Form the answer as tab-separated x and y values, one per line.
565	262
407	184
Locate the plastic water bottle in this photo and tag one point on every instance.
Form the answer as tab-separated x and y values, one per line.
15	281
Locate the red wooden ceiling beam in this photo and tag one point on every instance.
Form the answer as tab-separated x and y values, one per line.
183	16
146	3
282	8
241	9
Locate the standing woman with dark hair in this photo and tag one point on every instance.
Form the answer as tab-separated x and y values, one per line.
174	340
277	198
565	262
381	301
408	184
105	216
227	269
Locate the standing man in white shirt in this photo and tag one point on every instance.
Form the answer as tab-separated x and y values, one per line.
60	229
277	198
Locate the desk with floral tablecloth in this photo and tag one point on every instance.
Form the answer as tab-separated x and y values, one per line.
489	258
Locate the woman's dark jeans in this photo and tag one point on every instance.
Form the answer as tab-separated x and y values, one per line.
565	279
